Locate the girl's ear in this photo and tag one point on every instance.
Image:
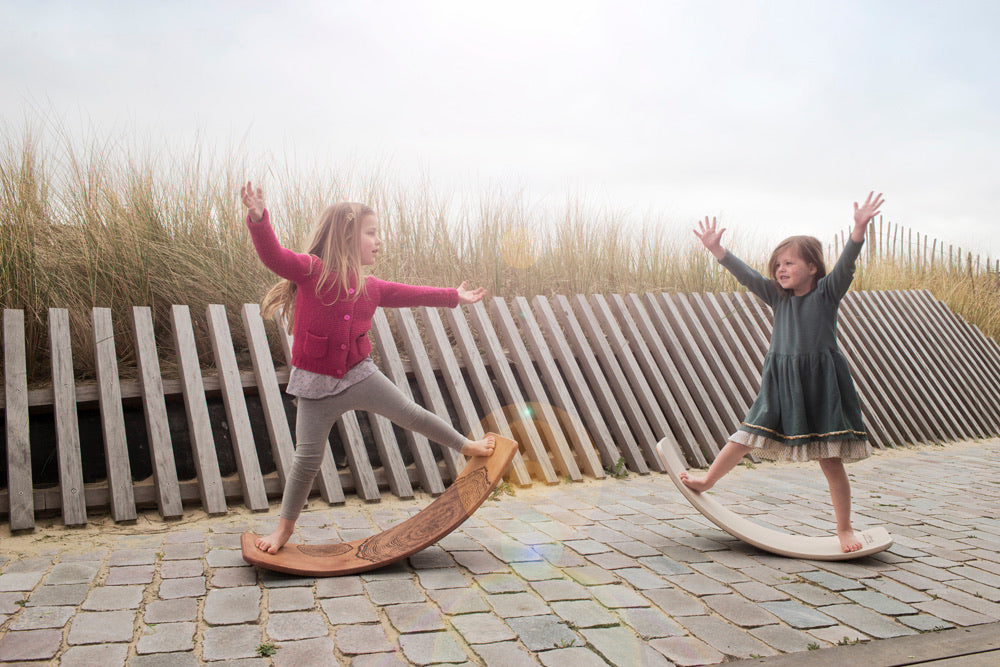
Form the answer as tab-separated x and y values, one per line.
813	269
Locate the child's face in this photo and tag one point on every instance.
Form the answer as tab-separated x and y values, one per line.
370	242
794	274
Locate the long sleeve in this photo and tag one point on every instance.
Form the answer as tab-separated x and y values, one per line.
750	278
287	264
838	281
400	295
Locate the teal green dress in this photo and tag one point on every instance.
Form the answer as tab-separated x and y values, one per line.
807	407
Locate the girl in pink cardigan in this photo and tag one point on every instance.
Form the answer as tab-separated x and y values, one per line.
330	304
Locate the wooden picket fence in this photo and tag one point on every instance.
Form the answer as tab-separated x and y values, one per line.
586	385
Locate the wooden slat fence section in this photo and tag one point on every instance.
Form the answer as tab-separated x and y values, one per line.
584	381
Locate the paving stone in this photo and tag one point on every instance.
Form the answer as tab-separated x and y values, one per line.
719	572
573	656
171	611
415	617
699	584
758	592
676	602
101	627
315	652
41	618
183	551
272	580
349	610
290	626
19	581
665	566
811	594
479	562
129	575
739	610
560	589
783	639
111	598
896	590
57	596
839	634
621	647
225	558
188	587
584	614
454	601
105	655
974	602
952	613
590	575
229	606
924	622
509	605
10	603
175	569
541	633
649	622
428	648
30	645
724	637
335	587
482	628
616	596
120	557
508	654
536	571
501	583
611	560
687	651
866	620
290	599
72	573
642	579
830	581
393	592
798	615
879	603
441	578
166	638
394	659
231	642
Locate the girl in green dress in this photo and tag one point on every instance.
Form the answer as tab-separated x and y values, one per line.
807	408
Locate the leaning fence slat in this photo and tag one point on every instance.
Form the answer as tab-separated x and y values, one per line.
15	376
748	352
206	459
542	411
112	417
495	415
741	306
515	404
651	380
155	409
429	389
328	479
357	457
627	441
427	469
720	343
625	376
67	427
392	460
240	433
584	399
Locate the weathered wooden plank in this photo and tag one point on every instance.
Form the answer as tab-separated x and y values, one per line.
240	433
406	325
720	425
515	406
949	387
21	507
627	440
393	468
656	387
112	417
161	450
357	457
724	311
968	366
328	479
742	307
889	369
583	399
206	460
488	399
624	375
982	348
723	342
423	458
543	412
67	426
655	341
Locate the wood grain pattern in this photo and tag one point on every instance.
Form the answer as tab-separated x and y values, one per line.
21	501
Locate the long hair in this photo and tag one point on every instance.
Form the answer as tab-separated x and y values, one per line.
336	241
808	248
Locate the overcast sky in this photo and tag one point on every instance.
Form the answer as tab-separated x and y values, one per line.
775	116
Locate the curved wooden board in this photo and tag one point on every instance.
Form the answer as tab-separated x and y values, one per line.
778	542
445	514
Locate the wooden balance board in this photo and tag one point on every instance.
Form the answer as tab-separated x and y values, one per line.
445	514
778	542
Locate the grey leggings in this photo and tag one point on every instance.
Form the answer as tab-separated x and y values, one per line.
315	417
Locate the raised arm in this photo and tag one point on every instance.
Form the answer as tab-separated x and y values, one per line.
711	237
863	215
253	199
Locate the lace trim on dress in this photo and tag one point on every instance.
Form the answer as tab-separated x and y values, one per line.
773	450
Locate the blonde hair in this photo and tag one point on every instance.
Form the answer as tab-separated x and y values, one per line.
808	248
336	241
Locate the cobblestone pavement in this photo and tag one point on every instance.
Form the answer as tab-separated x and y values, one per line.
619	572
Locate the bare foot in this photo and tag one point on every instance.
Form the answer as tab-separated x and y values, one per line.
698	485
482	447
849	541
275	540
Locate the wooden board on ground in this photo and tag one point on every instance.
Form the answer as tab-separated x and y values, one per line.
778	542
446	513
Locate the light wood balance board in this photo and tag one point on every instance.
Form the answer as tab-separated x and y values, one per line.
446	513
778	542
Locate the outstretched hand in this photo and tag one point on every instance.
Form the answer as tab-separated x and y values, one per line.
711	237
253	199
468	296
864	214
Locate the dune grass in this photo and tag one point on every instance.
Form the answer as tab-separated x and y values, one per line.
117	225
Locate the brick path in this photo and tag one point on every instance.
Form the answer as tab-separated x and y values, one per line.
618	571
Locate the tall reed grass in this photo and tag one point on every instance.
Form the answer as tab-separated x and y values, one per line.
115	224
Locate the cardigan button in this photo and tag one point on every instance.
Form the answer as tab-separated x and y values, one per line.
347	317
343	346
350	291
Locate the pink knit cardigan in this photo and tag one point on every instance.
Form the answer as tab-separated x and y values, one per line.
330	335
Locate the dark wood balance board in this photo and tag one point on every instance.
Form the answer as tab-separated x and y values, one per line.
446	513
